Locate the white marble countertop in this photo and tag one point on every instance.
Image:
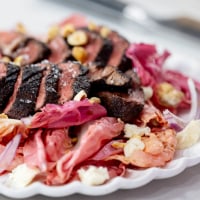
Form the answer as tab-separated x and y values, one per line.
37	15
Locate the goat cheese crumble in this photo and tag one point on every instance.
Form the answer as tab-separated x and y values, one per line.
21	176
189	136
132	145
132	130
93	175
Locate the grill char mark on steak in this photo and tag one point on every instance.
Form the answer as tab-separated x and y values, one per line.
32	50
126	106
24	104
8	77
125	64
13	97
73	78
51	85
104	53
81	83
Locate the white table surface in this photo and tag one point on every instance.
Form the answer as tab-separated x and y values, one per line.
37	15
171	8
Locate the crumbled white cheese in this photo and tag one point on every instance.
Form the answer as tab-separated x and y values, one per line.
189	135
21	176
132	130
93	175
132	145
148	92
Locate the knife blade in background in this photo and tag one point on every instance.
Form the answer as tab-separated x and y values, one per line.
138	14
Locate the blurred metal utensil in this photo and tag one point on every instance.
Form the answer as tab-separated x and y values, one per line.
139	15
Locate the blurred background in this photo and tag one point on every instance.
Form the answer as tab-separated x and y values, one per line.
172	24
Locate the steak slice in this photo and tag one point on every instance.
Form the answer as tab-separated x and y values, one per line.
32	51
135	80
13	96
104	53
108	78
60	51
8	76
24	104
81	83
51	85
98	48
126	63
73	79
42	89
118	57
126	106
9	40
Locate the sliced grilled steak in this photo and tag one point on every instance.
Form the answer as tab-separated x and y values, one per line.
42	89
59	50
60	83
118	57
32	51
8	77
108	78
81	83
24	104
72	80
126	63
98	49
104	53
135	80
13	97
9	40
126	106
51	85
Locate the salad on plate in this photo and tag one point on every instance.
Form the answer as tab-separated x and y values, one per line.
82	103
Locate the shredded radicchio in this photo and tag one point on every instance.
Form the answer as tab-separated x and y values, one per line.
69	114
149	65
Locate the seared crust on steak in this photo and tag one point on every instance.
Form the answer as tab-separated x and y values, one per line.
81	83
24	104
126	106
104	53
51	85
125	64
8	77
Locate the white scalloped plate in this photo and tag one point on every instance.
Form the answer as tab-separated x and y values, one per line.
134	178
